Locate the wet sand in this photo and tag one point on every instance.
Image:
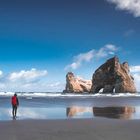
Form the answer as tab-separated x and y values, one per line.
70	129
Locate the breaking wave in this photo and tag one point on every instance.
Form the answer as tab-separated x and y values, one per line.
58	94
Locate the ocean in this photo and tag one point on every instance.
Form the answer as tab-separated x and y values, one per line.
71	106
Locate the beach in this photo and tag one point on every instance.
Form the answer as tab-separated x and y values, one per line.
78	129
68	117
69	69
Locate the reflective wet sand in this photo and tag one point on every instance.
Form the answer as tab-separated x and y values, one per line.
55	108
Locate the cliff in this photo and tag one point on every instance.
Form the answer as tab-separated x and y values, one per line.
113	77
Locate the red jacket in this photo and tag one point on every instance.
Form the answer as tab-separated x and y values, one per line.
14	100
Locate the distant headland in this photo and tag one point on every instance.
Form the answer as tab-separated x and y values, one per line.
110	77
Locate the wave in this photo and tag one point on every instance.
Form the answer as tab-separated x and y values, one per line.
55	94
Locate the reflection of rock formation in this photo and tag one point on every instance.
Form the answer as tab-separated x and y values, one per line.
73	111
113	76
109	112
76	85
114	112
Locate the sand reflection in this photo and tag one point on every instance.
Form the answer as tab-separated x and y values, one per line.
114	112
78	111
72	112
108	112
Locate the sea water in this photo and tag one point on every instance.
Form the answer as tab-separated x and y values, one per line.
71	106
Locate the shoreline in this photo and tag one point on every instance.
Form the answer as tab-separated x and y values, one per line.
70	129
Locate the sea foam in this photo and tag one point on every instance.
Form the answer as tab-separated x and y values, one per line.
55	94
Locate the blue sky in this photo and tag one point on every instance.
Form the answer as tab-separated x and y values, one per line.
41	40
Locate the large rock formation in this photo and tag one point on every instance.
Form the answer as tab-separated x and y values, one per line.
76	85
113	77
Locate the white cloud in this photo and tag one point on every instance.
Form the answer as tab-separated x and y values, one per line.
1	73
24	80
135	70
132	6
111	47
137	80
27	75
78	60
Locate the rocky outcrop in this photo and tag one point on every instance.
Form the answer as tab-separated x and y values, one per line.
113	77
76	85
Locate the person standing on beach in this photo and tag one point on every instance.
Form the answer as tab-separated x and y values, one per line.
15	104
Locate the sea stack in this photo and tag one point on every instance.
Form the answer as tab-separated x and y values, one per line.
113	77
76	85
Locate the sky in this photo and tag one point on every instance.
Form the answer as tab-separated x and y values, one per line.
41	40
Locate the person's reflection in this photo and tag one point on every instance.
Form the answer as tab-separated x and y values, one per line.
14	118
75	110
114	112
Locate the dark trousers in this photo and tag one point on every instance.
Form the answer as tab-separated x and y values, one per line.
14	110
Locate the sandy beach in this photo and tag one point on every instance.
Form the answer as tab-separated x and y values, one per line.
71	129
71	118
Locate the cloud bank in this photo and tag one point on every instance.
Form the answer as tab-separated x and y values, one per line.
28	81
108	49
27	76
132	6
